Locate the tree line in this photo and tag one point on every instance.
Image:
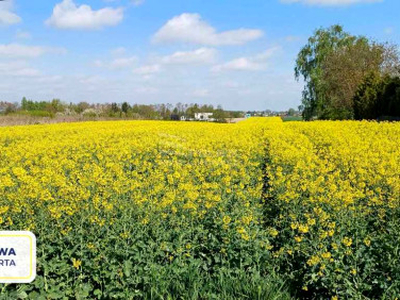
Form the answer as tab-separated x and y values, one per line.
348	77
115	110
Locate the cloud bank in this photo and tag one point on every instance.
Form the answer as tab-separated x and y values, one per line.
190	28
7	17
67	15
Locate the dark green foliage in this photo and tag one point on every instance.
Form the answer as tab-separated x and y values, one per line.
378	98
291	119
390	102
291	112
366	98
29	105
125	107
36	113
220	115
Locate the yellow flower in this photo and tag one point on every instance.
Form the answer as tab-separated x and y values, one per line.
273	232
313	260
76	263
298	239
335	246
326	255
303	228
347	241
124	235
311	222
367	242
241	230
226	220
246	220
245	236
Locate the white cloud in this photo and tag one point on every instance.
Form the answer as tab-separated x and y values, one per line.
67	15
190	28
18	68
119	60
330	2
254	63
117	63
148	69
267	53
118	51
199	56
91	79
239	64
196	57
7	17
120	63
18	50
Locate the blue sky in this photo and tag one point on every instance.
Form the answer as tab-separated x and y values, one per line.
237	53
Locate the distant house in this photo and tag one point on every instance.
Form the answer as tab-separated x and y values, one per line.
183	118
248	116
203	116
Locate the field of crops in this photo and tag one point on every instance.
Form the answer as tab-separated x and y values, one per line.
260	209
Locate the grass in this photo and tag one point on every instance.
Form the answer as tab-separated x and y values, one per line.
291	119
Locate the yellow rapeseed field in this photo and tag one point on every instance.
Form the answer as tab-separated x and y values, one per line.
160	168
333	195
150	209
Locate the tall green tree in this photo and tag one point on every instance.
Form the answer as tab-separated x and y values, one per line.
344	70
291	112
125	107
309	66
333	64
